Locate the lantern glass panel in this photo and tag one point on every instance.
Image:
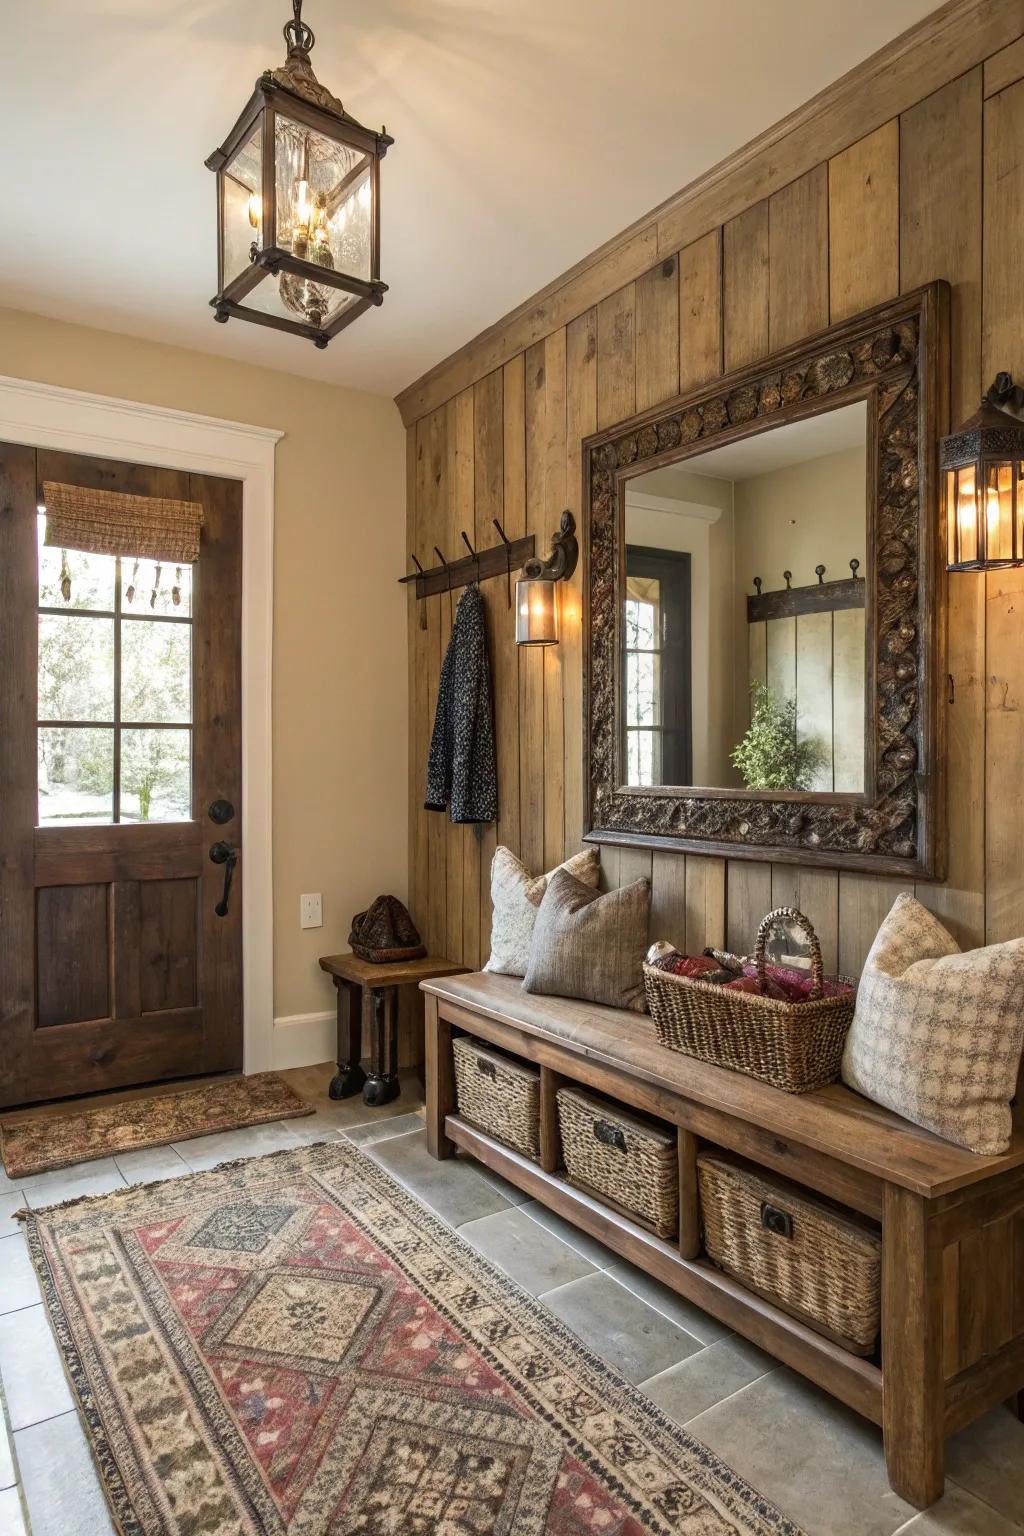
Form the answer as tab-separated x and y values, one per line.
324	200
1018	508
999	511
536	621
967	515
951	550
296	298
242	179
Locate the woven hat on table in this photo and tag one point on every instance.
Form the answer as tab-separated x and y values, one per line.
385	933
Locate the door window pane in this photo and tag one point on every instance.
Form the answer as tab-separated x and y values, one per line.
156	671
90	579
76	775
157	589
76	668
156	775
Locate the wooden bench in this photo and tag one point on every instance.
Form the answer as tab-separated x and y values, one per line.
952	1340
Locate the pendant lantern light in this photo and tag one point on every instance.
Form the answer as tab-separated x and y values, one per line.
298	204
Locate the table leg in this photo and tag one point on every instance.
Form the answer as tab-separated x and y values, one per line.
382	1085
350	1076
913	1396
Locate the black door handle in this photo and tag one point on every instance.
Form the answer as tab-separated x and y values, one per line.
223	853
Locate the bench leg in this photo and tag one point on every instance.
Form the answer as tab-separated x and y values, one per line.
350	1077
913	1388
383	1085
440	1075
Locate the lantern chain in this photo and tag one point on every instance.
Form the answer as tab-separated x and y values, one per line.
297	34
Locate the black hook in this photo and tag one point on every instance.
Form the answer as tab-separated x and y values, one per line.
789	579
503	536
416	564
757	584
819	571
473	552
855	567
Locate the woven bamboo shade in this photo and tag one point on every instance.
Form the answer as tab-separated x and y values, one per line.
112	523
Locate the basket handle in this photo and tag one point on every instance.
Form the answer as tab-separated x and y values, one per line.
791	914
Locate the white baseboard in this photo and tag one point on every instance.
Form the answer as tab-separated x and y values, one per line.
304	1039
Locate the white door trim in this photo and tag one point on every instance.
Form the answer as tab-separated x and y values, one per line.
48	416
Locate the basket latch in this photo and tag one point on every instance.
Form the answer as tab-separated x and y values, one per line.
774	1220
610	1135
485	1068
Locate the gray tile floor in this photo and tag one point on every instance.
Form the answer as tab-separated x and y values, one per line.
817	1461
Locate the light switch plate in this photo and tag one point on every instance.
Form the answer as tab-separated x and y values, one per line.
311	910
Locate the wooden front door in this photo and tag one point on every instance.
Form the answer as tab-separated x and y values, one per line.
120	728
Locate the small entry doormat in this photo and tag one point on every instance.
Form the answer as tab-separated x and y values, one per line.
293	1344
43	1142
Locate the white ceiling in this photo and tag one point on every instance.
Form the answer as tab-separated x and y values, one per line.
527	133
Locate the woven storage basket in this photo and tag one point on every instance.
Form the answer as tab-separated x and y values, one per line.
795	1046
814	1259
499	1095
625	1161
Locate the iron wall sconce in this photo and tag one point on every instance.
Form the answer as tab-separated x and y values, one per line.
536	602
983	479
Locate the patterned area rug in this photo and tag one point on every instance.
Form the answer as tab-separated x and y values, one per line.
292	1344
57	1141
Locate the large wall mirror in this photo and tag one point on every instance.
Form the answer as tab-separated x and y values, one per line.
763	606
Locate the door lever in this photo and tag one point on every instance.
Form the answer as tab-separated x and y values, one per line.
223	853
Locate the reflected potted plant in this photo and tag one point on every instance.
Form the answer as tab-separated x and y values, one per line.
771	755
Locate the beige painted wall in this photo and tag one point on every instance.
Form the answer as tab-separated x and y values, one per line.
340	715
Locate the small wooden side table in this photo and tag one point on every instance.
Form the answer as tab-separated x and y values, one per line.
351	976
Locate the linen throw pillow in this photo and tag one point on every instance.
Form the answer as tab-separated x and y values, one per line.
937	1032
516	896
591	946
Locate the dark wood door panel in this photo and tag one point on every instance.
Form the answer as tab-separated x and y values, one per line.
88	868
89	1058
72	954
168	944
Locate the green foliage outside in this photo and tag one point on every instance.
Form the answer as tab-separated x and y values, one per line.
770	755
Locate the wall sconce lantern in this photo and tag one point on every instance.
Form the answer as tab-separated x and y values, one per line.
983	469
298	204
536	602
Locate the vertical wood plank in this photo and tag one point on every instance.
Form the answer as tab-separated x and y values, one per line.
657	334
419	725
1003	347
581	421
745	286
940	147
998	1238
700	311
705	902
460	843
531	658
689	1204
668	898
749	898
432	465
798	259
634	864
554	656
863	194
950	1309
550	1141
616	357
864	900
488	476
506	671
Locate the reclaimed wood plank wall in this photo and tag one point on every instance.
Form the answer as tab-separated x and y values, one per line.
933	190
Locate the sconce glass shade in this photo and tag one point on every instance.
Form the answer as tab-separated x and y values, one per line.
298	200
536	611
983	487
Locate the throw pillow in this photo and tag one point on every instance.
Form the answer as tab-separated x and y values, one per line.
591	946
516	896
937	1032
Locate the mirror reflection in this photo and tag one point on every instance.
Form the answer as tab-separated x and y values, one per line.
743	625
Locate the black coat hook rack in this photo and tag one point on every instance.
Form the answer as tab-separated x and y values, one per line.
818	597
480	564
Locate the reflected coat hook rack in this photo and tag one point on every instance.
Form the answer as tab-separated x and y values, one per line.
500	560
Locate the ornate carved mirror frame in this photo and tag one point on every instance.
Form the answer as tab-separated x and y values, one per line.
895	358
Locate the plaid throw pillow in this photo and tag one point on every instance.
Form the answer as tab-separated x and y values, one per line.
937	1032
515	898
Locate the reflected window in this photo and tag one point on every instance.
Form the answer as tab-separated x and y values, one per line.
656	631
114	731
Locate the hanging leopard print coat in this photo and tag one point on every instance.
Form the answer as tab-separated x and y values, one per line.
461	770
